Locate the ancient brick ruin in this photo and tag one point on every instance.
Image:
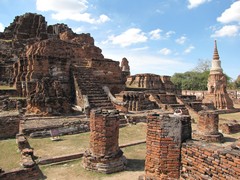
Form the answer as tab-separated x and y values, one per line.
207	127
43	62
104	154
64	83
165	134
217	83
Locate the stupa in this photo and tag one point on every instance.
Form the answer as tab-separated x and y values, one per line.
217	84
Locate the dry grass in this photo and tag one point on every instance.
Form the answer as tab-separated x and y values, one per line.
9	155
7	88
73	170
44	147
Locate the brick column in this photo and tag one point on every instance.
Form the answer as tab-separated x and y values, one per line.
164	136
104	154
207	127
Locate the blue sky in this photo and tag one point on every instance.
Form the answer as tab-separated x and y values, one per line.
156	36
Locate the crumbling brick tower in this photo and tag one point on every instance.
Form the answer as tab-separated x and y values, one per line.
217	83
165	134
104	154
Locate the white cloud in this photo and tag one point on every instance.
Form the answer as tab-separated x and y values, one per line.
129	37
142	62
1	27
169	34
70	9
195	3
231	15
189	49
140	49
181	40
155	34
78	30
165	51
228	30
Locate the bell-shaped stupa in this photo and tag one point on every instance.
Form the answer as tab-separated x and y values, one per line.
217	84
216	63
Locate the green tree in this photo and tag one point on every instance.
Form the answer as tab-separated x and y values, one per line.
191	80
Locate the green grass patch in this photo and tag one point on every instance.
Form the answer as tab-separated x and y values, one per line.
9	155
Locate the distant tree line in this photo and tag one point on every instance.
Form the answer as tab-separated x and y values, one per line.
197	78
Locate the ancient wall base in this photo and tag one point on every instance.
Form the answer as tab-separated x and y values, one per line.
9	126
106	164
205	161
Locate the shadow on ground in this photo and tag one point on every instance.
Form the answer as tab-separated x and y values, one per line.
135	165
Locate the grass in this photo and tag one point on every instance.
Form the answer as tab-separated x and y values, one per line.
17	98
132	133
44	147
6	40
9	155
7	88
73	169
231	116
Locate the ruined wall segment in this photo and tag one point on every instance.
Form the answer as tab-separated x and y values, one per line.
205	161
9	126
27	26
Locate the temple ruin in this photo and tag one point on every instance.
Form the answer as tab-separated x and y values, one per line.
58	83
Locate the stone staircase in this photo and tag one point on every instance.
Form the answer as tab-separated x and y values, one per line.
91	87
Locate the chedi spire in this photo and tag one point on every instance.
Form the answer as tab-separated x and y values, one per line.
216	63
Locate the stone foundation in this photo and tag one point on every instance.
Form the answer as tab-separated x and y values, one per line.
208	127
9	126
104	154
230	128
21	174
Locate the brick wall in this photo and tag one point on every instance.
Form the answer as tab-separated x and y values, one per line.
230	128
164	137
21	174
9	126
205	161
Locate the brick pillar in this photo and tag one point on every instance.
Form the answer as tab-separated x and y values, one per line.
207	127
164	136
104	154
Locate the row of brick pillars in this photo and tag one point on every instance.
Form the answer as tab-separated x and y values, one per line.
165	134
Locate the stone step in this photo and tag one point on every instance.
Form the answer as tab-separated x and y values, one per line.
102	97
98	100
96	95
92	92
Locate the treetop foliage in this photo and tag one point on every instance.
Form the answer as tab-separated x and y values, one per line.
197	78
